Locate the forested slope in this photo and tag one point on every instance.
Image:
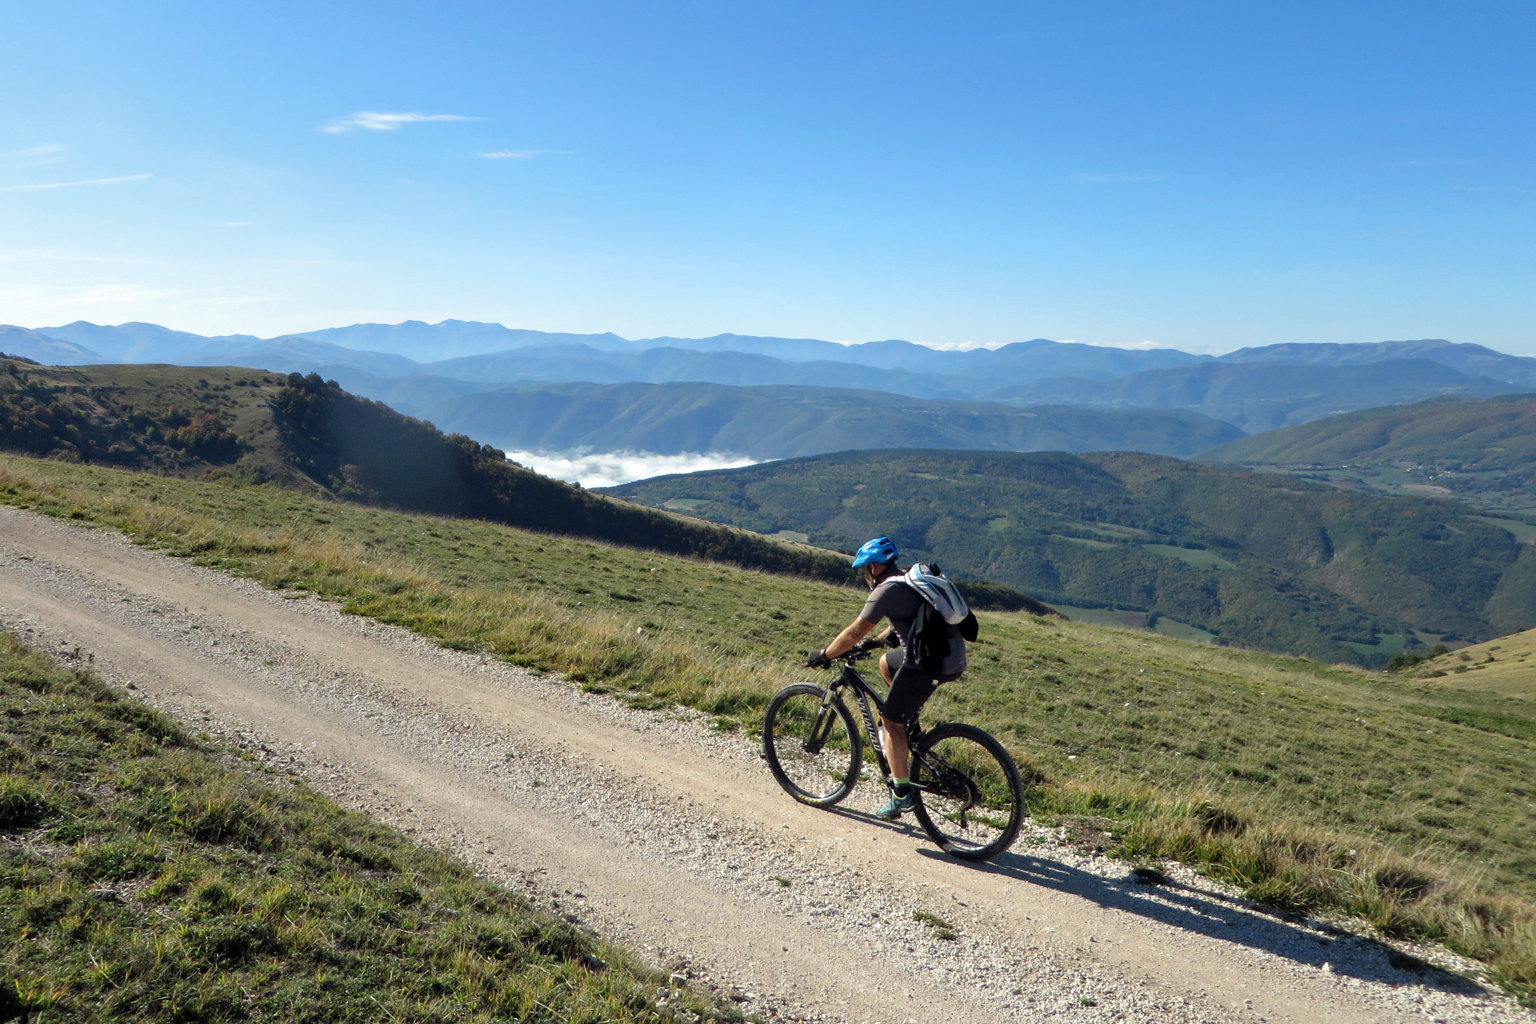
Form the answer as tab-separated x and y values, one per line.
1260	560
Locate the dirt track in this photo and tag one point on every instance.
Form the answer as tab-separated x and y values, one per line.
673	839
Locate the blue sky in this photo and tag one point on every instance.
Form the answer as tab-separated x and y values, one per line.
1195	175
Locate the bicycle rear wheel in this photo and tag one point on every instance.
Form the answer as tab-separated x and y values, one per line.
970	799
811	745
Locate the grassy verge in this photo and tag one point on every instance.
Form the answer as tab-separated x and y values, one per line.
1404	802
148	876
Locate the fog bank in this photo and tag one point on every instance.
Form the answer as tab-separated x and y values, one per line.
606	469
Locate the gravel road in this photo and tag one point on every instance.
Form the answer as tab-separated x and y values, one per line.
660	833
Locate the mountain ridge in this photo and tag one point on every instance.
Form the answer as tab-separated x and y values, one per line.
773	422
1255	389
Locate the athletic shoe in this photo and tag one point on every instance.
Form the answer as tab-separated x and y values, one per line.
896	806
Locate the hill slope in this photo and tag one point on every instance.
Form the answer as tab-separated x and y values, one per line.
777	422
1481	451
308	434
305	433
1257	560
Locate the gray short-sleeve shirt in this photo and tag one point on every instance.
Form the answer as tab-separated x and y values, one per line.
893	599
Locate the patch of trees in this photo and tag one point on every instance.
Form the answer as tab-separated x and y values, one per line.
74	421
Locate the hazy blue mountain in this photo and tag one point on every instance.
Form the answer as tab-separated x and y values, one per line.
1021	360
293	353
793	349
775	422
1472	360
40	348
1257	397
664	365
1041	359
147	343
451	338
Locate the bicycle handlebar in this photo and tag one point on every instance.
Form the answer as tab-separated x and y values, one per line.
858	651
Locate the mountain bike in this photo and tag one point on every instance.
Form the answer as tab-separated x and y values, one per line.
969	798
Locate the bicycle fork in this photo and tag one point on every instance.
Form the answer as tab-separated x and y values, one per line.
821	729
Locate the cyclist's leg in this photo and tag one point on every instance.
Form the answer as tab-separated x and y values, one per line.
910	690
893	734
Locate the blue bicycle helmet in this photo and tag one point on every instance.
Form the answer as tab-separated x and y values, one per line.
881	550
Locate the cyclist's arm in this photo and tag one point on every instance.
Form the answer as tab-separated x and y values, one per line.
851	634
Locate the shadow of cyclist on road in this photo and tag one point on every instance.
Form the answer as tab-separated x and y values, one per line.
1229	920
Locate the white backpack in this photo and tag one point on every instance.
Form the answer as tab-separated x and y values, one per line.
935	588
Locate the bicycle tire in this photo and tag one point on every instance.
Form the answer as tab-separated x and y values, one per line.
814	750
970	799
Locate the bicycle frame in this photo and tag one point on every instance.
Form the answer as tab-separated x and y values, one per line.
866	695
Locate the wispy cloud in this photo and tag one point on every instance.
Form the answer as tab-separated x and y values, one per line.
33	156
71	184
373	121
523	154
47	255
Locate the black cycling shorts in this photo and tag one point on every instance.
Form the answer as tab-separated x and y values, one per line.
910	688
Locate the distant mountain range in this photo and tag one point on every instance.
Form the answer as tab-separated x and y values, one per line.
519	389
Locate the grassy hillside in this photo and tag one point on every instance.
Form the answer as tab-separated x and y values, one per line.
1480	451
308	434
149	875
301	432
1253	559
1506	666
203	422
1407	802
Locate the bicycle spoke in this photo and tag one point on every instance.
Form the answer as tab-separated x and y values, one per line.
970	799
811	745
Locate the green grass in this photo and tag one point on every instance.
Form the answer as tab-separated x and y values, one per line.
1401	800
937	926
149	875
1200	559
1522	530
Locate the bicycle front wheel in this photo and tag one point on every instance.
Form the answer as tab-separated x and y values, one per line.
970	799
811	744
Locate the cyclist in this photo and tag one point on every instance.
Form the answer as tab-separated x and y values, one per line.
910	687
